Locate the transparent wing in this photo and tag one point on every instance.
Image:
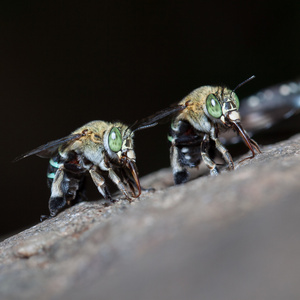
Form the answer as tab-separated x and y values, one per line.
159	117
49	149
270	106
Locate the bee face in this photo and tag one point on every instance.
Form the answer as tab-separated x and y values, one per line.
118	143
222	106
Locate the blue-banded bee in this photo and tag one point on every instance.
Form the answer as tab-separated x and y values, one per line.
210	110
97	148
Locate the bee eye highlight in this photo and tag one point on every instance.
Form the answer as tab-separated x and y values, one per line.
213	106
236	101
115	140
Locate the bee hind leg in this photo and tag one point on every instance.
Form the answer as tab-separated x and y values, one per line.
64	190
180	173
56	205
206	159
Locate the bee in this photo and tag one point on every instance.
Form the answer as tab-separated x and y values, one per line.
97	148
195	130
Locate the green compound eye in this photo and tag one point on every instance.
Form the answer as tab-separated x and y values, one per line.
236	101
213	106
115	140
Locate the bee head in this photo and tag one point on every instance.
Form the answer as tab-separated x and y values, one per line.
119	146
223	106
119	143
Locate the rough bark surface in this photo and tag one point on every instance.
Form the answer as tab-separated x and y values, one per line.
234	236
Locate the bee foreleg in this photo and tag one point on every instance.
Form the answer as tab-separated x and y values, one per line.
225	154
100	183
116	179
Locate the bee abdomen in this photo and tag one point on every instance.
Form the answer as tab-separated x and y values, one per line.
54	164
187	142
189	156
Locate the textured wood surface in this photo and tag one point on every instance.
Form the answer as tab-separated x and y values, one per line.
234	236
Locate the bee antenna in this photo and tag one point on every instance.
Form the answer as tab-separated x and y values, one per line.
131	127
145	126
242	83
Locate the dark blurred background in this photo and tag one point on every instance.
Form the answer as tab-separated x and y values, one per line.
65	63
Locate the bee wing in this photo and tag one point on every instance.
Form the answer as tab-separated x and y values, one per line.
47	150
270	106
159	117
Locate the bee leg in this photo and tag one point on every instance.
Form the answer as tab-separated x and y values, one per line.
64	190
100	183
115	178
180	173
57	201
207	160
225	154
